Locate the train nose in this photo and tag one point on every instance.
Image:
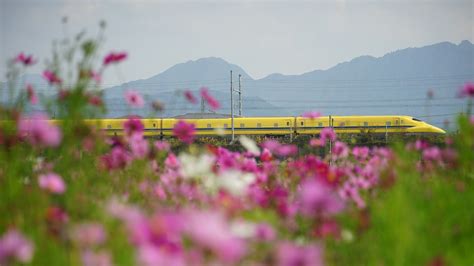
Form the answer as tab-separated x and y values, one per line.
437	130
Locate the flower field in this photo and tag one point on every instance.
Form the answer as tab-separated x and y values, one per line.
71	195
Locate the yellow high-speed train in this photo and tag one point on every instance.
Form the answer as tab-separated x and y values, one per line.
159	127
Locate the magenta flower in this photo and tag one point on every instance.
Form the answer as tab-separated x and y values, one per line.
133	126
51	77
289	254
26	60
265	232
89	234
52	182
117	158
467	90
185	132
113	58
31	94
213	103
134	99
326	134
38	131
317	198
312	115
14	246
351	192
190	97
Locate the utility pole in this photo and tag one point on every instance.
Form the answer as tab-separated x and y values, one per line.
232	105
240	96
202	105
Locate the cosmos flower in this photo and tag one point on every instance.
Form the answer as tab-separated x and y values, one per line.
31	94
138	146
249	145
38	131
52	182
326	134
14	246
289	254
133	126
185	132
317	198
340	150
134	98
51	77
213	103
312	115
113	58
190	97
26	60
360	153
467	90
89	234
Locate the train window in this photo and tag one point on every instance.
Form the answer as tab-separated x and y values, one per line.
209	126
302	123
154	125
275	125
342	124
259	125
401	121
242	125
366	124
388	124
225	125
320	124
288	123
396	122
416	119
109	126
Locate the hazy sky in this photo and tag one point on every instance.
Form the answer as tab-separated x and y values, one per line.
263	37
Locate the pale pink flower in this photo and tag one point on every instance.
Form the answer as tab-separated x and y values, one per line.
101	258
360	153
95	76
190	97
89	234
171	161
351	192
113	58
317	198
38	131
265	232
52	182
134	99
150	255
138	146
185	132
14	246
315	142
31	94
312	115
467	90
432	154
117	158
51	77
162	145
289	254
213	103
26	60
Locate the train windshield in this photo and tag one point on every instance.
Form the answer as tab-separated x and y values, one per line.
416	119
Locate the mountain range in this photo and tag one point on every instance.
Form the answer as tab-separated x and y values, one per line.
396	83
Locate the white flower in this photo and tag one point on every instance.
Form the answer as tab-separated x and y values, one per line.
250	145
235	182
243	229
195	166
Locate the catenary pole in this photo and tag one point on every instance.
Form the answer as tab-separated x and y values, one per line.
232	105
240	95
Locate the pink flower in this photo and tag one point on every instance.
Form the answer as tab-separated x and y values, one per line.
133	126
360	153
89	234
14	246
52	182
162	145
138	146
340	150
171	161
117	158
149	255
312	115
432	154
95	76
184	131
327	133
190	97
213	103
317	198
467	90
265	232
31	94
113	58
26	60
351	192
101	258
51	77
289	254
38	131
134	99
